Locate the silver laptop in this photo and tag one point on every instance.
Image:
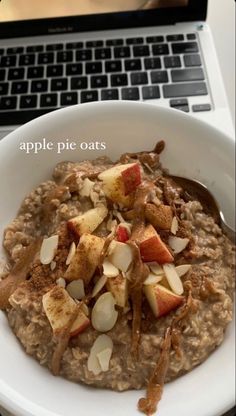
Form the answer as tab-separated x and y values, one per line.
55	54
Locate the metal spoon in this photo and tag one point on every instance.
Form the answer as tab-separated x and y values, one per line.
196	190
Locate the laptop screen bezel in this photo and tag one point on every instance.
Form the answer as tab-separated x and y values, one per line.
195	11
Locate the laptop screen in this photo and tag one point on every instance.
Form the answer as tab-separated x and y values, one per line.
29	18
13	10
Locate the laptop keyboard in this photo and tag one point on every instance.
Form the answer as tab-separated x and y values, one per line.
40	78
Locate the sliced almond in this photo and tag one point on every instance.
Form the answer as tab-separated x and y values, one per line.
53	265
85	309
183	269
152	279
111	224
121	256
173	278
156	268
174	226
108	269
104	314
99	285
76	289
87	187
178	244
61	282
104	359
71	253
118	215
103	342
48	249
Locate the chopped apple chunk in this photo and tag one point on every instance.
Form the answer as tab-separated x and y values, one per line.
118	286
59	307
161	300
152	248
86	258
89	221
120	182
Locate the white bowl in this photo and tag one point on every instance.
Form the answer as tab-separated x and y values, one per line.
194	149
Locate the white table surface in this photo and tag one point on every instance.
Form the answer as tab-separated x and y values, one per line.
221	19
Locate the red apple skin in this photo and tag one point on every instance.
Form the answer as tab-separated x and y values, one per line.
122	234
167	302
152	247
131	178
80	328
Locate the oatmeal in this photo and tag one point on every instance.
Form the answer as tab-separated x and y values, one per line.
115	279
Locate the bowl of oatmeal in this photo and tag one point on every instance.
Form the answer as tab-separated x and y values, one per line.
113	279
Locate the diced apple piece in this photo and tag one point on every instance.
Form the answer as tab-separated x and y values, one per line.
121	256
86	258
87	187
161	300
59	307
120	182
89	221
152	247
122	234
118	286
159	216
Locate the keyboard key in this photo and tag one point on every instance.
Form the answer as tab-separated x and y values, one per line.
19	87
3	88
139	78
28	101
130	93
118	80
46	58
172	61
133	65
48	100
134	41
192	60
155	39
158	77
185	47
162	49
35	72
174	38
34	48
99	81
184	108
104	53
27	59
74	69
191	36
151	93
113	66
15	50
201	107
54	71
69	98
114	42
54	47
93	68
59	84
8	103
74	45
142	50
40	85
94	43
79	83
185	90
84	55
110	94
16	73
2	74
89	96
152	63
122	52
179	102
9	60
65	56
194	74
